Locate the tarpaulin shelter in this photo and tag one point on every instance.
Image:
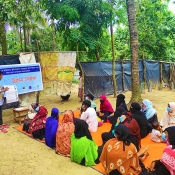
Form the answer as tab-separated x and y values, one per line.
98	75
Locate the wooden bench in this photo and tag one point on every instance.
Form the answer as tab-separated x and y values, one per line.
20	114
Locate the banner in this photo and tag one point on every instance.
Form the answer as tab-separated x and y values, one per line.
26	77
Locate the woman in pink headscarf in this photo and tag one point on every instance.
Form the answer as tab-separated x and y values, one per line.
105	108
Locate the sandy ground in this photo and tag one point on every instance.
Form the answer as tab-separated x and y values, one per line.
21	155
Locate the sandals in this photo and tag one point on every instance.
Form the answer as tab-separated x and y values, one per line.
4	130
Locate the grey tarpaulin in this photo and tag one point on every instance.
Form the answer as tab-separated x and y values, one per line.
6	60
98	75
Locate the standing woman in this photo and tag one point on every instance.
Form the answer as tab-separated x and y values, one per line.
119	155
149	111
64	132
168	118
51	128
37	126
80	87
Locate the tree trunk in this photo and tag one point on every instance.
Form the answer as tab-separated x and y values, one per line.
3	38
25	42
113	62
21	39
97	55
136	95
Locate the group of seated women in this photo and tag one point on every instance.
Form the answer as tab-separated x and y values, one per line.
119	153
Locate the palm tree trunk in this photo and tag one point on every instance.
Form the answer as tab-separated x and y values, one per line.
113	62
136	95
3	38
97	55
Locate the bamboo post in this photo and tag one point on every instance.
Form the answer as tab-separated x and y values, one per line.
38	92
161	78
123	80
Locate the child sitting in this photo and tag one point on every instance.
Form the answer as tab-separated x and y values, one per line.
157	135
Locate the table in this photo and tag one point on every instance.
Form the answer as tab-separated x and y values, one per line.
20	114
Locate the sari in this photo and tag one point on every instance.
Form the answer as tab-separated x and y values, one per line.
38	122
51	128
63	134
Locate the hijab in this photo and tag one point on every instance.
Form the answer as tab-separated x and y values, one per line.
171	135
38	122
51	128
81	129
117	114
120	101
123	134
168	155
133	126
149	110
105	106
168	118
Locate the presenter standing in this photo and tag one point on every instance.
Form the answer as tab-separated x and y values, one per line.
2	90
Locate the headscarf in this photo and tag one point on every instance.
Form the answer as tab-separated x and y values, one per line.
113	156
81	130
133	126
64	132
38	121
168	118
106	105
117	114
51	128
149	110
135	107
171	135
31	113
168	156
123	134
121	102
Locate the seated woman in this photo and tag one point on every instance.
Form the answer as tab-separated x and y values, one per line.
83	148
30	115
64	132
133	127
145	128
120	102
119	155
90	97
113	120
149	111
168	118
105	108
165	166
51	128
37	126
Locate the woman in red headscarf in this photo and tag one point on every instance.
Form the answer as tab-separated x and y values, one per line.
37	126
105	108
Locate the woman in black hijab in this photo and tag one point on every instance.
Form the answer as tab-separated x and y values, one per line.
120	102
141	119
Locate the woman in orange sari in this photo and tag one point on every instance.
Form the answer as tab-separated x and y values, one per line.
119	155
64	132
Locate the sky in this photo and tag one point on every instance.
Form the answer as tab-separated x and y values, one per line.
172	6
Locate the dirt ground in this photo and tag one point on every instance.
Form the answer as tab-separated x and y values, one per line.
21	155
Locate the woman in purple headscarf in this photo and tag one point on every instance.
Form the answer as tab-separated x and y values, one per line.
51	128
